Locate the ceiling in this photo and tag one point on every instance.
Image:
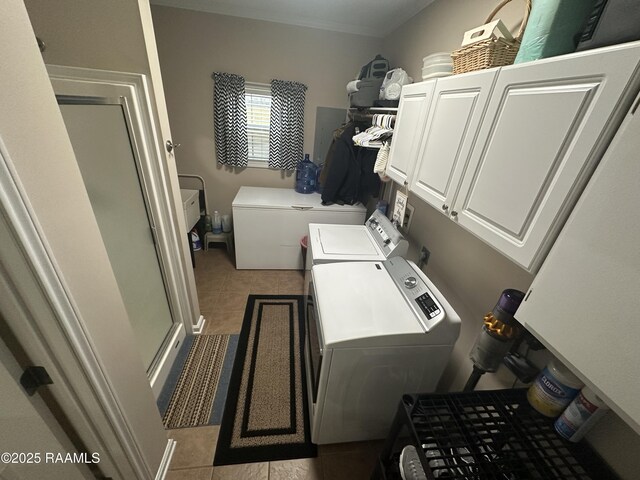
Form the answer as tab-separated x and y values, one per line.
375	18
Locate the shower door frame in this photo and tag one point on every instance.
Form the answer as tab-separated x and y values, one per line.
131	91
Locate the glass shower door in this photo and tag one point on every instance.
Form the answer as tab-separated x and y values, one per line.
102	143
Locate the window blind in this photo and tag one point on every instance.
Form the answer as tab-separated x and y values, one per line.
258	103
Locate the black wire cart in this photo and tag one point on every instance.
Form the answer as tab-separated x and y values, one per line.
482	435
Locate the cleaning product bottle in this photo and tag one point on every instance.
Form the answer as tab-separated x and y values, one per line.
553	389
581	414
216	227
196	244
306	176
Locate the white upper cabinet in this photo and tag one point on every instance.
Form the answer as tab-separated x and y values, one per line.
583	304
454	118
412	113
546	125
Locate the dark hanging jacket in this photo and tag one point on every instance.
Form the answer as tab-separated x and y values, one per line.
350	177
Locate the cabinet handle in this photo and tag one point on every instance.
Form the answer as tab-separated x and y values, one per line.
445	207
454	213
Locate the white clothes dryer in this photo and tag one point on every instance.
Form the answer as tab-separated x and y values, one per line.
366	347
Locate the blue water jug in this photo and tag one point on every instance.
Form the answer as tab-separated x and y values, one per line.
306	176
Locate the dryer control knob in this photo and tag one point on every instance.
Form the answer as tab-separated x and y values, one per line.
410	282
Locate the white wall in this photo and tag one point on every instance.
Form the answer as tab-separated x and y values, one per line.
440	28
192	45
90	34
471	272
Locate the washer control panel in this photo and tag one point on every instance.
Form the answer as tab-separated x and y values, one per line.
415	291
411	282
385	234
428	305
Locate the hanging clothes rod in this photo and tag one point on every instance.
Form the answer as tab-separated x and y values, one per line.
376	119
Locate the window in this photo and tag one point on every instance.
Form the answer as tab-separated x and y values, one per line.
258	104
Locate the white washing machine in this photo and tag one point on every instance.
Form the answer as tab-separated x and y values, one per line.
376	240
366	347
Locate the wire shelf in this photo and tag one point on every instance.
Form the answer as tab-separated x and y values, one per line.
485	435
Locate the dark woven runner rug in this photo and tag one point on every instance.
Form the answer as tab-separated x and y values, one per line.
265	416
197	385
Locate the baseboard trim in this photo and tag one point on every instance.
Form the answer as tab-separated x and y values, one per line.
198	327
166	459
161	369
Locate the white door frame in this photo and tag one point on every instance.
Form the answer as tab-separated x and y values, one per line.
162	134
134	90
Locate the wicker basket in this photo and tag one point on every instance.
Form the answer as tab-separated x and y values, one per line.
481	48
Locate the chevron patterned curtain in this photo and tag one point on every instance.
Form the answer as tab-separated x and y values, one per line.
286	130
230	120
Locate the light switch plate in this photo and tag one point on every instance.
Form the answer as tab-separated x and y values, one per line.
398	208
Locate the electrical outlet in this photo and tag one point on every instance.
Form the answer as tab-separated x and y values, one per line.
408	216
424	257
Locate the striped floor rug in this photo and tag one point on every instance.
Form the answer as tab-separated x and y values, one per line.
196	389
266	415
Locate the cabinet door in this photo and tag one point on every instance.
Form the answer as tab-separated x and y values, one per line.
454	117
412	113
583	304
547	124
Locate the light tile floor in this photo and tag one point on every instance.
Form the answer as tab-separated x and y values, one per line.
222	293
